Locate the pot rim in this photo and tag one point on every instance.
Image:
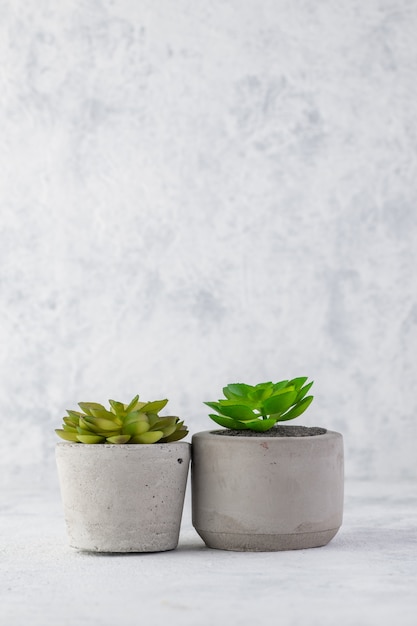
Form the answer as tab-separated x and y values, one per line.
118	446
211	434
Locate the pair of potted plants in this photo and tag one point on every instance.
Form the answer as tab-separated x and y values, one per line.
256	485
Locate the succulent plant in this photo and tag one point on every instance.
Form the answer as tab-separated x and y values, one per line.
136	422
260	407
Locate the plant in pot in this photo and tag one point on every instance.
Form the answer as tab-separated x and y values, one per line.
260	486
122	472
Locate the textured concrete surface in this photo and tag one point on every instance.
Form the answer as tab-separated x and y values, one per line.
194	193
366	576
123	498
267	493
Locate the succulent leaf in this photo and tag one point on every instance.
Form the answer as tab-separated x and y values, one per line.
82	431
239	390
154	407
90	438
280	402
135	416
132	404
100	423
152	436
298	409
152	419
103	413
118	408
165	422
229	422
75	415
136	428
227	393
237	411
70	421
214	405
169	430
67	436
303	392
118	439
108	434
69	429
87	406
280	385
176	436
261	392
261	425
84	424
297	383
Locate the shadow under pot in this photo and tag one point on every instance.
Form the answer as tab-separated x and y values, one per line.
281	490
123	498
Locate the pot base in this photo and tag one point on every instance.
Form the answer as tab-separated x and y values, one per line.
239	542
159	543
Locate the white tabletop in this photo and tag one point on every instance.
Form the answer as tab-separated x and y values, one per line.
365	576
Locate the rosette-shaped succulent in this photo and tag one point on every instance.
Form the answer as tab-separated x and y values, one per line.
136	422
260	407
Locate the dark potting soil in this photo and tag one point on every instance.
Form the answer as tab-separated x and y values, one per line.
276	431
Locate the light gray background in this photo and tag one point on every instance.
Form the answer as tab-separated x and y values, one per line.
197	193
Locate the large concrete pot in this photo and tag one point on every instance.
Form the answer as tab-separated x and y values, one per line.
263	493
123	498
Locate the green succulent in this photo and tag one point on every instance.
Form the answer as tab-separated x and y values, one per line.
136	422
260	407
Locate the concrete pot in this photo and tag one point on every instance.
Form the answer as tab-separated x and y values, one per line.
267	493
123	498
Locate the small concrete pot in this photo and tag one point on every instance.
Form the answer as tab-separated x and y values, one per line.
123	498
265	493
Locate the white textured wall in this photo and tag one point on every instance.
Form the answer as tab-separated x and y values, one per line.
194	193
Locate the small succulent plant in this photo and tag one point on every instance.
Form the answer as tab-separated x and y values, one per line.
136	422
260	407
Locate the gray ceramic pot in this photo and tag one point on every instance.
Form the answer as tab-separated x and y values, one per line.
123	498
267	493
